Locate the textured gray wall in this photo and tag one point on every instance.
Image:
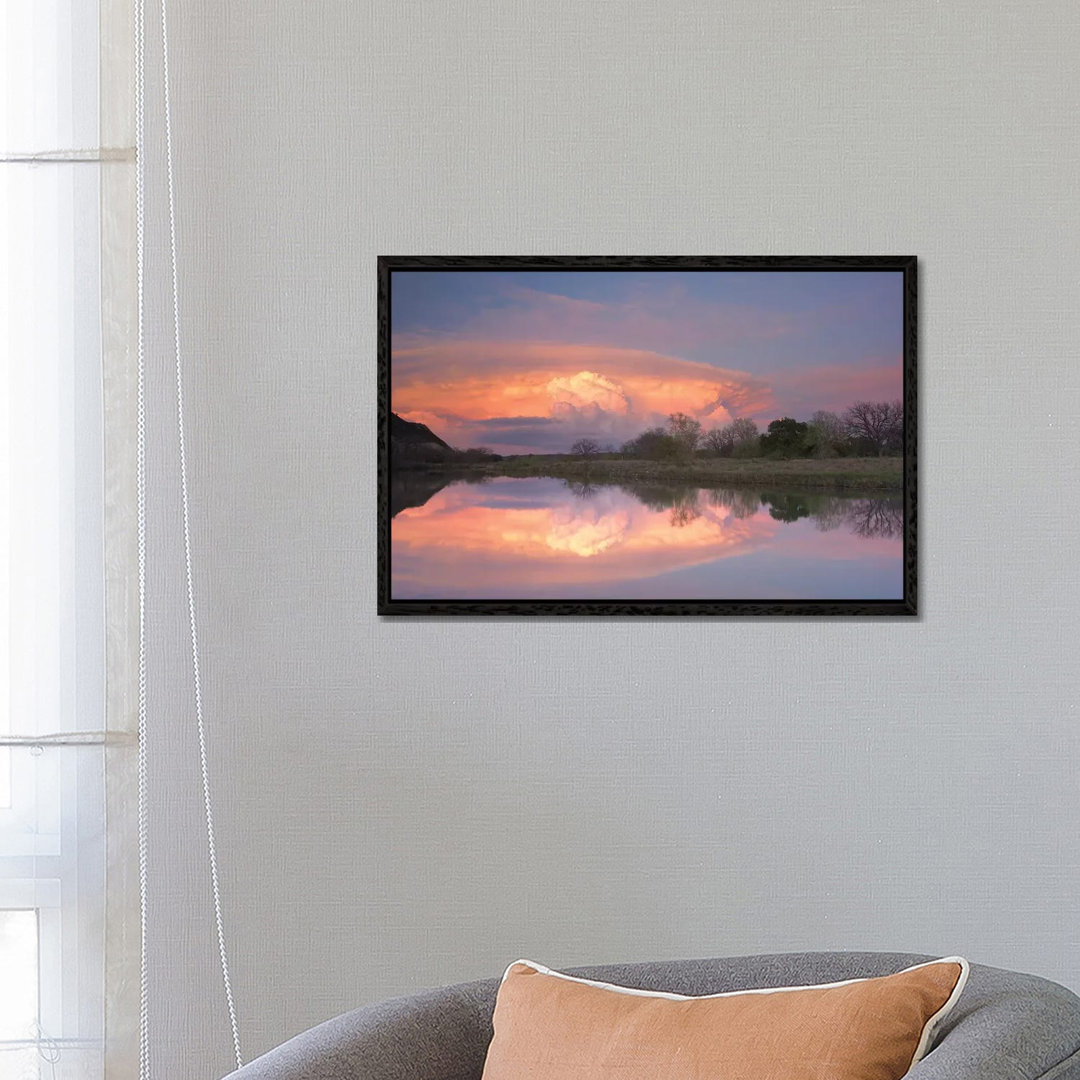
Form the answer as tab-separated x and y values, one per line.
409	803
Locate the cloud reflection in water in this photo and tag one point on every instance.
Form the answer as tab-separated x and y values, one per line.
541	538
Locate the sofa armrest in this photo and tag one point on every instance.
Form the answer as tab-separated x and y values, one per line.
441	1034
1007	1026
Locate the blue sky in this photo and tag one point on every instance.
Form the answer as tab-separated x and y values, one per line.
541	356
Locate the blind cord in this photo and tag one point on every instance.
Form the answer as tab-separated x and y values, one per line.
140	456
143	814
193	623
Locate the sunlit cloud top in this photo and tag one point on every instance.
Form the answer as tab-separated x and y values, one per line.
530	362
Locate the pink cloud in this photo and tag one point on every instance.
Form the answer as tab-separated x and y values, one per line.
461	388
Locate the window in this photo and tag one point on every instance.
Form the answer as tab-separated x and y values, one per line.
52	625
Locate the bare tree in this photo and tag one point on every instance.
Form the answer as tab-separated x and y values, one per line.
722	441
827	436
719	441
829	424
742	429
585	448
747	441
879	423
685	430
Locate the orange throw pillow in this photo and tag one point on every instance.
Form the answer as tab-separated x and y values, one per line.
550	1026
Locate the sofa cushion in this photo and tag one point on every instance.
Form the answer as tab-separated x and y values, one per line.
552	1026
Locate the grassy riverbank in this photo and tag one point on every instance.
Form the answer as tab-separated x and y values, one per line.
834	474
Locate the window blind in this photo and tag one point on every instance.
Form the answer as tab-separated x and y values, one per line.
61	202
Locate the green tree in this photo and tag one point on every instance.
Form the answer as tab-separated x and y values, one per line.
786	438
747	448
653	444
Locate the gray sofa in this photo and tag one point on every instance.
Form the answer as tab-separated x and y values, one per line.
1005	1026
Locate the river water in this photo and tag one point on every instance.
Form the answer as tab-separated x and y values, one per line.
545	539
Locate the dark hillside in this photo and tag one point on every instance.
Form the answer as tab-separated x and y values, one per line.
416	442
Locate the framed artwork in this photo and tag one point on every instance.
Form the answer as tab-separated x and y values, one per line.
652	436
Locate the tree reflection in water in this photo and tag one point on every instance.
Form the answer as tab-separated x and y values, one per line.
544	536
865	516
878	516
741	503
583	489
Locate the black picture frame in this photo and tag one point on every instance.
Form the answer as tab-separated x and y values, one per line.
904	606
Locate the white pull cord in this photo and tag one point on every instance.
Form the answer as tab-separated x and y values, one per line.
140	455
197	680
140	197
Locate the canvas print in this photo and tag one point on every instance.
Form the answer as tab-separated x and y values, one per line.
698	436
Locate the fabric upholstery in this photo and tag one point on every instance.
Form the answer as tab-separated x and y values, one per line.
1006	1026
552	1026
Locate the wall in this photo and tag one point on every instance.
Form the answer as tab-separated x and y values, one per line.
401	804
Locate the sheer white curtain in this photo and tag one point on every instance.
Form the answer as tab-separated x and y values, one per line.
62	241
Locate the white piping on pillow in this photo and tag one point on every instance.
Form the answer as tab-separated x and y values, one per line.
928	1030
